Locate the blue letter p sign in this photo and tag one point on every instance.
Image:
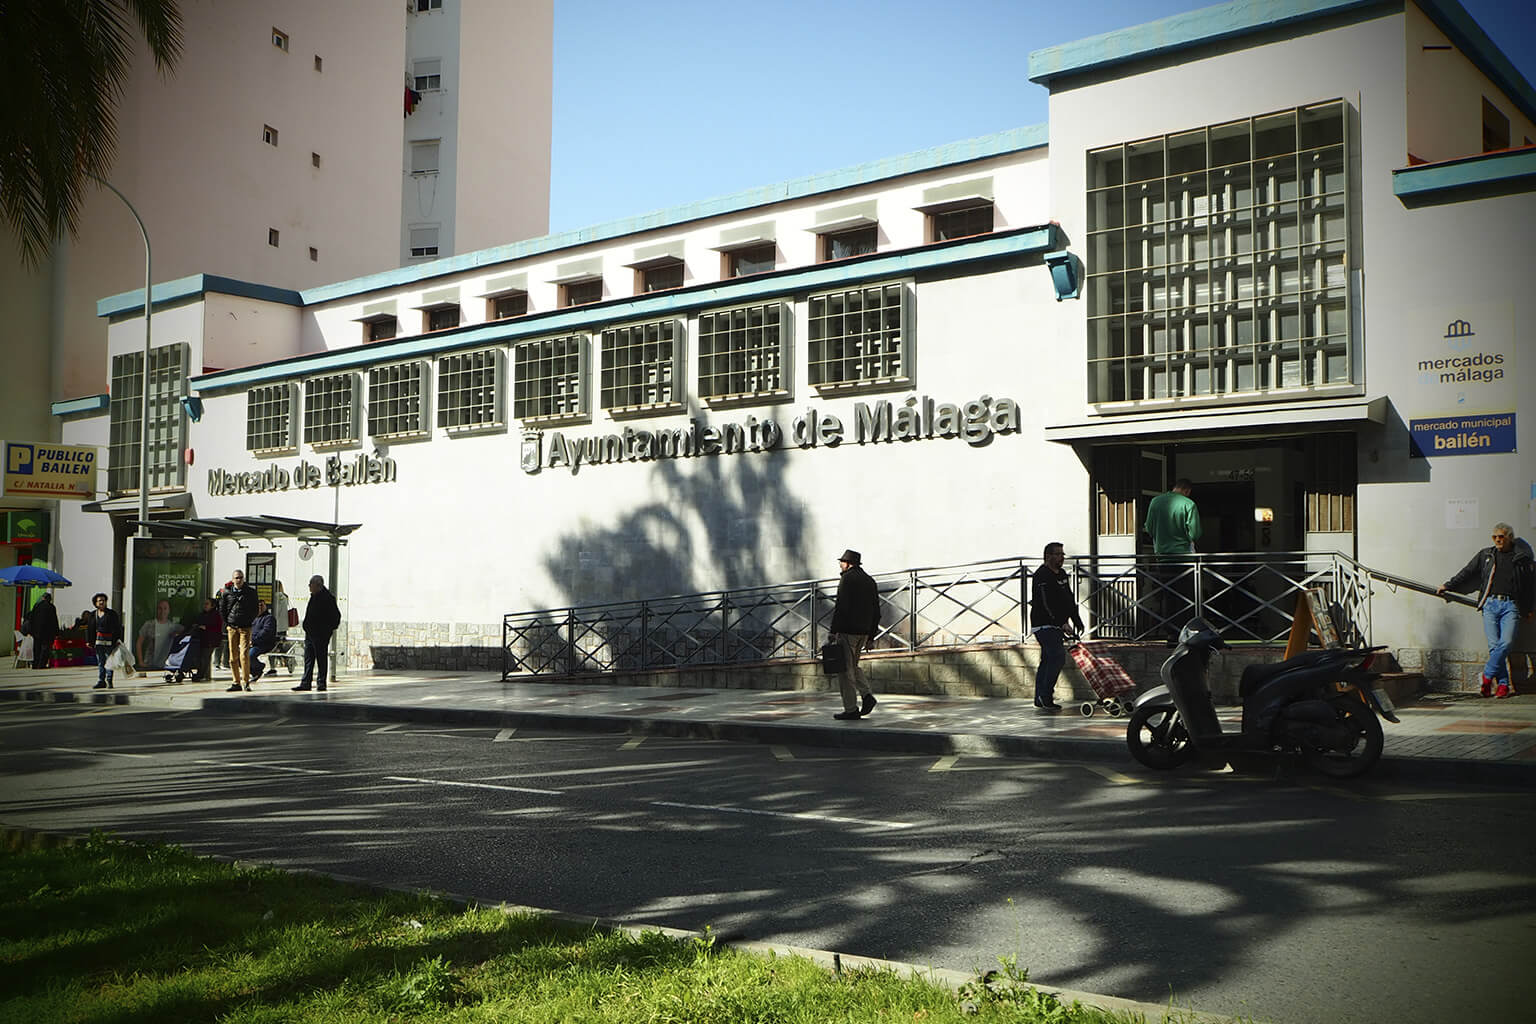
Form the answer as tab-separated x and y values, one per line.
20	460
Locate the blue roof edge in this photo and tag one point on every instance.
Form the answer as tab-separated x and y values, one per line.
1179	32
1246	17
1504	167
965	151
76	406
168	292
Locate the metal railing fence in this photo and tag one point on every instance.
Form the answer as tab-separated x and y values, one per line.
1249	598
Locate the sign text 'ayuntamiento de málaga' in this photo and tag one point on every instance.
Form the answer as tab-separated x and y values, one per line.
917	418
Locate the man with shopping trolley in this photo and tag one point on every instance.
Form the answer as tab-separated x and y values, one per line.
1052	607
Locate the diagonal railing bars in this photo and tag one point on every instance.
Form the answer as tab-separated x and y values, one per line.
1250	598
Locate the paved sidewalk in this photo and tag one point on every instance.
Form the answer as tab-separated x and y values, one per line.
1441	737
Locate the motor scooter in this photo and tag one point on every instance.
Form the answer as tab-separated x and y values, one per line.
1320	704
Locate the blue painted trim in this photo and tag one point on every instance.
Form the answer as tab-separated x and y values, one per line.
168	292
760	287
1002	143
1248	17
1508	167
1179	32
75	406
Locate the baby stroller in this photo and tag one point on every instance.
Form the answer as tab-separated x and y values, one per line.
1110	681
182	661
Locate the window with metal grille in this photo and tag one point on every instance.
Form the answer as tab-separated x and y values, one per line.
330	410
442	318
580	293
503	307
754	259
269	419
660	277
380	329
641	364
961	223
840	245
858	337
743	352
397	400
469	391
167	432
549	379
1216	259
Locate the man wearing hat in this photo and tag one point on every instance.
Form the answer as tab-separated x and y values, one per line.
855	618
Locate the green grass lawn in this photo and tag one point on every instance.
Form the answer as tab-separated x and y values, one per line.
108	931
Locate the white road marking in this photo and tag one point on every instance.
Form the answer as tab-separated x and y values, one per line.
503	735
943	764
97	753
606	769
632	744
797	815
472	785
385	728
782	753
266	767
1112	775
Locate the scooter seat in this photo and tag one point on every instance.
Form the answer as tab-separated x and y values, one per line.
1255	676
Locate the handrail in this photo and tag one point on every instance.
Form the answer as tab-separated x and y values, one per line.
1250	596
1423	588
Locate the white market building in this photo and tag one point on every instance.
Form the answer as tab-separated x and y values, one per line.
1283	249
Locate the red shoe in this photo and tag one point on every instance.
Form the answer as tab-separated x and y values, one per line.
1503	691
1487	690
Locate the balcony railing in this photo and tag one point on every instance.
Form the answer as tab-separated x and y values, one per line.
1249	598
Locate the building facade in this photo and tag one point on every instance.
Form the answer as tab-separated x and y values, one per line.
287	148
1272	248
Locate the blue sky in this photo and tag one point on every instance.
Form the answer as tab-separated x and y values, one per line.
673	101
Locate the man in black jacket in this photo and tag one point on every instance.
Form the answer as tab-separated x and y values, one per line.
238	607
1052	607
1506	580
105	628
43	624
855	619
321	617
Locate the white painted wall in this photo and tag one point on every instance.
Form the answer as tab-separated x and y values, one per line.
1445	96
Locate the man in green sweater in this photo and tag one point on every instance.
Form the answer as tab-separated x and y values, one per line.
1173	522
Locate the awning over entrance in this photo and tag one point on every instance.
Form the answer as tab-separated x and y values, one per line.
239	527
1262	420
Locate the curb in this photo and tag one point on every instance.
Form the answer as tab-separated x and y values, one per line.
16	838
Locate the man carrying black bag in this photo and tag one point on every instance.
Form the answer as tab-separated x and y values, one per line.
855	619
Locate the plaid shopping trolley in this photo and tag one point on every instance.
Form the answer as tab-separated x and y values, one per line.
1109	679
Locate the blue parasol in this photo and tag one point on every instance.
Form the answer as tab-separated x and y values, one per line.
31	576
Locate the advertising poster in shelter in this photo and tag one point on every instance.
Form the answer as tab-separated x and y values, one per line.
173	571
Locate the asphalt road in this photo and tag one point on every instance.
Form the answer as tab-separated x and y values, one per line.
1286	900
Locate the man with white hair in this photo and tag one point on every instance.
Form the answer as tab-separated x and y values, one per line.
1506	582
321	617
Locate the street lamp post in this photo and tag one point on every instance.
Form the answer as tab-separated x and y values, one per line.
144	381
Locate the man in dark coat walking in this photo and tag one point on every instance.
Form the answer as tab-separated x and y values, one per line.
855	619
321	617
1052	607
43	624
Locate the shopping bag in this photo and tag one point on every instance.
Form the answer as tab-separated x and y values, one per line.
293	617
119	660
834	658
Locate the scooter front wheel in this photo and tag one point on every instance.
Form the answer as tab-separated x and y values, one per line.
1157	737
1366	749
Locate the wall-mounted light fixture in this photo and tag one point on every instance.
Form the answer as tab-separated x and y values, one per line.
1065	273
192	406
